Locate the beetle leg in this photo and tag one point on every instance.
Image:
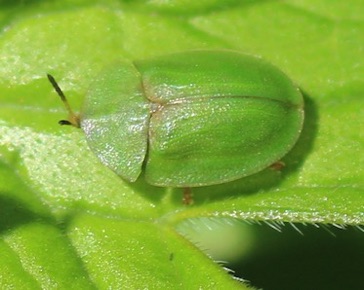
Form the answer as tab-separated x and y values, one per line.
277	166
187	196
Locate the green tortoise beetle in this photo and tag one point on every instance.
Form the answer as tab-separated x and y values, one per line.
190	119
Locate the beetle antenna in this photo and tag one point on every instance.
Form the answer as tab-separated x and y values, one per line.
73	119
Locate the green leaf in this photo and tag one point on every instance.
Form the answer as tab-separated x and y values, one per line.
68	220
